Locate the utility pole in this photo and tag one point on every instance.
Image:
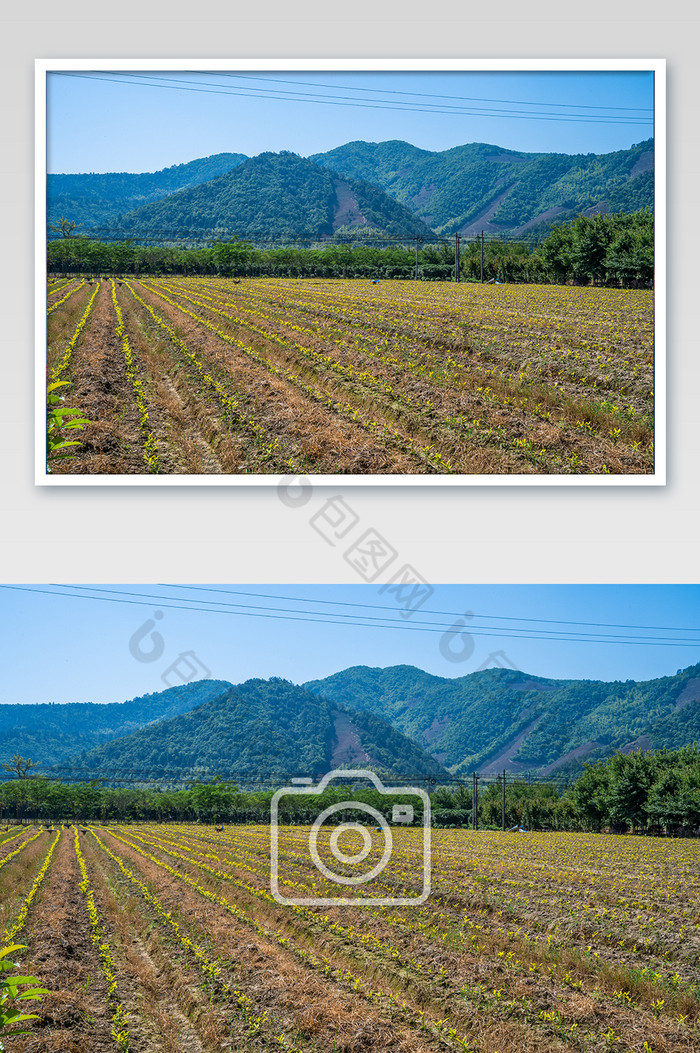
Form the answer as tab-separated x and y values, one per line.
503	801
482	257
457	237
419	241
475	801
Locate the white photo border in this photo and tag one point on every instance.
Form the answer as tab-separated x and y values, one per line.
656	66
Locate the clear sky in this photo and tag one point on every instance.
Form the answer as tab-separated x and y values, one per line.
142	121
89	645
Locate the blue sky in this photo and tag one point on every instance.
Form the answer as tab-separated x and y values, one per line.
142	121
97	646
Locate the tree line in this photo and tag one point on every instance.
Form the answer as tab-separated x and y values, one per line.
654	792
613	249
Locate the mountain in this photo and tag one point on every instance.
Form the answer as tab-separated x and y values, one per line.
278	195
401	721
502	718
392	188
483	187
96	200
52	733
264	730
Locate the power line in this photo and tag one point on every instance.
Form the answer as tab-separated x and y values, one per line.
447	614
551	634
61	773
216	233
304	97
319	619
429	95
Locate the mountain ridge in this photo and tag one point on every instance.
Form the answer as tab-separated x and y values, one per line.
405	188
279	194
478	186
399	719
503	718
263	730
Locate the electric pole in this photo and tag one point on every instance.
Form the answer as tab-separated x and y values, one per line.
475	801
457	237
482	257
419	241
503	801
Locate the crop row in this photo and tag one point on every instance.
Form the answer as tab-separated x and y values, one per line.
150	446
230	401
17	927
417	965
382	429
533	327
436	922
62	364
437	359
58	303
120	1031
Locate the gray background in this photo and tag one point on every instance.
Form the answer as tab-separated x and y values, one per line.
489	534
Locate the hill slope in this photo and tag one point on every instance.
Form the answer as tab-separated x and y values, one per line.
502	718
264	729
98	200
52	733
278	195
483	187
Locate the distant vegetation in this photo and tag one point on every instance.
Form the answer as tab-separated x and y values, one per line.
262	729
480	184
643	792
279	195
97	199
615	249
400	720
53	733
470	721
391	186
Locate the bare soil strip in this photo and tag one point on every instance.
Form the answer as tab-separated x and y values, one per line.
74	1016
326	442
443	948
315	1005
111	443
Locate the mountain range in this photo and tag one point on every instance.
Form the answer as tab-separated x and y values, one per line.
400	721
391	188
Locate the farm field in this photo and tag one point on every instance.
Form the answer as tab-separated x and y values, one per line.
166	938
307	376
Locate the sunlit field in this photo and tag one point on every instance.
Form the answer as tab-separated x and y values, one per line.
166	937
308	376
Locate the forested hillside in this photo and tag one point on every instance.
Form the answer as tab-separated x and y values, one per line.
98	200
279	195
400	720
502	718
484	187
51	733
263	730
390	187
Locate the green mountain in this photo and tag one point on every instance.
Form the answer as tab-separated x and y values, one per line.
264	730
501	718
278	195
52	733
392	188
400	721
483	187
98	200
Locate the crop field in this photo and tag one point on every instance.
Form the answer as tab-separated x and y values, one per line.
306	376
166	938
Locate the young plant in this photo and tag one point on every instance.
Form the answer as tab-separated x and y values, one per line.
59	420
10	994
